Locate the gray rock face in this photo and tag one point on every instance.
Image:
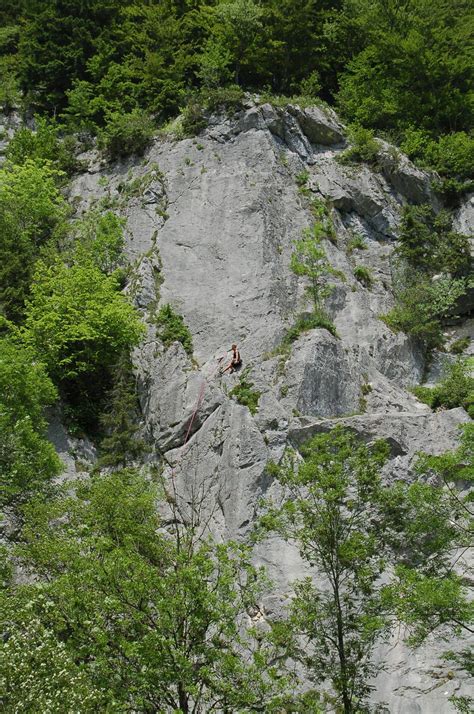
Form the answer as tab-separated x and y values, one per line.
464	220
210	230
405	178
321	126
321	377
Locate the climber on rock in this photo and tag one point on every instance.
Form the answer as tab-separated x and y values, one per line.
235	362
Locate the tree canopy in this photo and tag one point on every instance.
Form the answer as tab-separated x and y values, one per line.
390	66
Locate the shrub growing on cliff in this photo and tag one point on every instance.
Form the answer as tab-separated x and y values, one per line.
432	273
245	394
452	156
309	321
364	147
428	244
172	328
364	275
456	389
126	133
422	305
309	260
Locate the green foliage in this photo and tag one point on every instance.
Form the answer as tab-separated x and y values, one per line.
79	323
171	328
434	265
309	260
412	66
31	648
25	387
422	306
32	212
426	601
309	321
311	85
458	346
193	118
364	275
428	244
9	89
456	389
207	101
126	134
43	146
364	147
27	460
302	178
452	156
152	618
77	320
357	242
390	67
120	444
245	394
56	43
234	28
349	528
99	238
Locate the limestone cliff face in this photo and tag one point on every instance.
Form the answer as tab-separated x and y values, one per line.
210	227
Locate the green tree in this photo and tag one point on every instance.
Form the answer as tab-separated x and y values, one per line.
456	388
153	617
119	421
172	328
431	273
31	648
412	67
126	133
428	244
79	324
27	460
32	211
309	260
56	42
99	237
422	305
45	147
439	600
235	26
350	529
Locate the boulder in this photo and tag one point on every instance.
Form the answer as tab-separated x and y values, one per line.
320	124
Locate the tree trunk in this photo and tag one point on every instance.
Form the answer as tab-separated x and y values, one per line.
183	699
346	700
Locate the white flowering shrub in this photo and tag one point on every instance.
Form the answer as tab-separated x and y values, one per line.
37	674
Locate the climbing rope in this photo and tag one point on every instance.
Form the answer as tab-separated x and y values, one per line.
199	400
196	408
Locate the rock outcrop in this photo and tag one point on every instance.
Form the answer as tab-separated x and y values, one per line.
210	229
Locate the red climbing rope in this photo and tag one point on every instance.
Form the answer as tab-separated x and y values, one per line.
202	391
